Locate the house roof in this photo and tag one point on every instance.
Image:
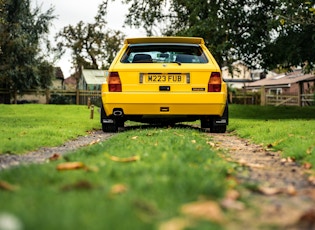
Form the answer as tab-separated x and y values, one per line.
94	77
59	73
283	79
71	80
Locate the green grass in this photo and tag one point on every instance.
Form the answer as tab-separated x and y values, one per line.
176	166
290	130
28	127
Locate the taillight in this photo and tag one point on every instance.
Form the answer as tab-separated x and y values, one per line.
214	84
114	83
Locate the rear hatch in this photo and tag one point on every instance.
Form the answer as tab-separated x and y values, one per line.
164	77
160	67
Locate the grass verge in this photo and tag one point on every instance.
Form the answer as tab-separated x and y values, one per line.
28	127
288	129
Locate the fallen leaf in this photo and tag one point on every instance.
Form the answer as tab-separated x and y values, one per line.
134	137
277	142
54	157
91	169
232	204
181	135
206	210
7	186
118	189
247	164
70	166
80	185
94	142
307	220
307	165
211	143
146	208
311	179
309	150
230	201
126	159
290	159
270	191
232	194
175	224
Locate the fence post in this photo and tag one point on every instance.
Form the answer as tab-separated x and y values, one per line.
300	93
92	112
47	96
78	97
230	97
89	102
263	96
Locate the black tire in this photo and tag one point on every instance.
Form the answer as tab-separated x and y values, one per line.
210	122
205	122
218	129
108	127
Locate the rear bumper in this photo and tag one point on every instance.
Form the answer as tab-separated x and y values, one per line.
165	103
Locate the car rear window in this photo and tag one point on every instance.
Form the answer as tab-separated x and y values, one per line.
164	53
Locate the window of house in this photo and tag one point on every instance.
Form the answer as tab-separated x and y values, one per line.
275	91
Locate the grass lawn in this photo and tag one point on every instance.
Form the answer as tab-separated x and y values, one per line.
140	178
288	129
28	127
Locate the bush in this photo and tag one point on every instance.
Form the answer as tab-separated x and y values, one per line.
59	100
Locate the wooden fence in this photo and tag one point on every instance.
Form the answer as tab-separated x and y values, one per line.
79	97
83	97
290	100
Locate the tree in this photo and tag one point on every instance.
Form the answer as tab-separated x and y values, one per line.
21	32
232	30
91	45
295	43
247	30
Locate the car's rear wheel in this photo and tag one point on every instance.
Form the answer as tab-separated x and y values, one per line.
205	122
215	123
110	127
109	124
218	129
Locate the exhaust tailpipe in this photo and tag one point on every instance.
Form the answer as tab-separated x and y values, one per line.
117	113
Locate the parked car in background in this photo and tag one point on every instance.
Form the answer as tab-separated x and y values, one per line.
164	80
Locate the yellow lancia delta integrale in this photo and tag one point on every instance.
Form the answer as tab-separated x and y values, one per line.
164	80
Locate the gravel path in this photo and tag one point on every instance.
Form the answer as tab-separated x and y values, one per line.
43	154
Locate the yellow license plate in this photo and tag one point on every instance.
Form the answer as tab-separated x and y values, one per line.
165	78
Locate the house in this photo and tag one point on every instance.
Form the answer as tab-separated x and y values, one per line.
92	79
292	83
241	74
70	83
58	80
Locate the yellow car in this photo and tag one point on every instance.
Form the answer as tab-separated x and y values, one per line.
164	80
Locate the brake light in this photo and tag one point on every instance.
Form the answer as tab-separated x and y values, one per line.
114	83
214	84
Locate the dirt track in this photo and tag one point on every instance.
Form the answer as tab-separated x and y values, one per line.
43	154
285	194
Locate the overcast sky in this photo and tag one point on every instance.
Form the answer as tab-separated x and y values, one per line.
71	12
